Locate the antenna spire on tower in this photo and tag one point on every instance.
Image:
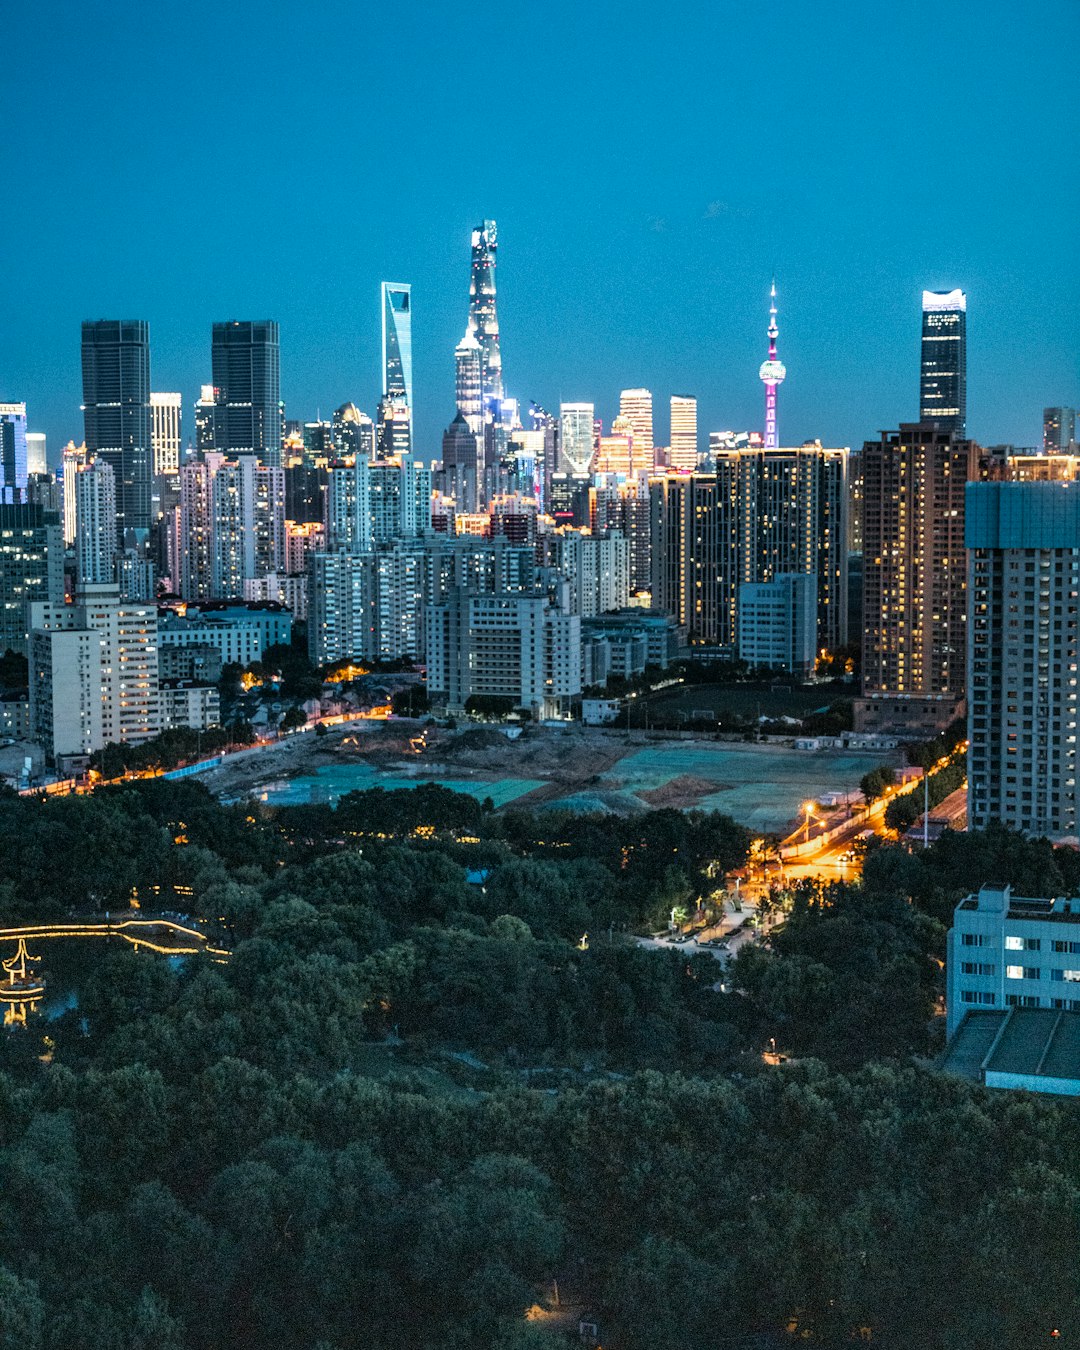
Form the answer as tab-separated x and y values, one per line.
772	373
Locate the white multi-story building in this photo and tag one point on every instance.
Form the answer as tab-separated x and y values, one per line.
518	647
367	605
287	590
95	524
187	704
1008	951
247	503
778	623
239	641
372	502
72	459
597	566
1023	632
165	432
79	700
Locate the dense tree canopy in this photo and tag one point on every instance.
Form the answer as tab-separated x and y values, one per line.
413	1097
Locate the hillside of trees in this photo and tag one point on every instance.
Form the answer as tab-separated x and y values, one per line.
413	1098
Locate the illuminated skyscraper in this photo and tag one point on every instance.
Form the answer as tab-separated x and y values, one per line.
12	453
95	524
353	431
1059	431
165	432
468	381
683	451
772	373
36	459
204	419
396	405
116	413
246	366
943	386
636	405
483	319
576	436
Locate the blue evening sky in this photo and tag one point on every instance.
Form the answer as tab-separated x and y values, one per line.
650	167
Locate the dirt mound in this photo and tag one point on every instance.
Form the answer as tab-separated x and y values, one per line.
681	792
473	741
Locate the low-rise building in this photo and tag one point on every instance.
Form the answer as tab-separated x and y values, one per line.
187	704
1032	1049
1010	951
198	662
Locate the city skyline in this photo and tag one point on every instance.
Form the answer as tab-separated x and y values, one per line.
661	288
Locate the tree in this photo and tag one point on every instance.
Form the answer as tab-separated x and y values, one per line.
294	718
877	782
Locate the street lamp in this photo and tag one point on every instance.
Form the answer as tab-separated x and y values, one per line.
808	808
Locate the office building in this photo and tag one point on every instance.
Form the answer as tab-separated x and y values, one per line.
1023	641
468	382
1059	431
778	623
1030	1049
353	432
460	474
13	466
31	569
116	416
165	433
636	406
93	672
484	320
246	371
394	430
576	437
943	386
683	447
37	460
72	459
95	524
1008	951
914	578
521	648
204	420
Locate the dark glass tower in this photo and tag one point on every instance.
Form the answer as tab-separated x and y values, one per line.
943	386
246	369
116	415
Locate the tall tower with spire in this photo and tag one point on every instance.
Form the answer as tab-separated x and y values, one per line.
483	319
772	373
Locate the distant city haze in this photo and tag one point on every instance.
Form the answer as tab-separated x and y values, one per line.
650	174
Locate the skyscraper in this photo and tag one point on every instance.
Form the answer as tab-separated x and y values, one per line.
772	374
165	432
246	368
396	404
1023	633
31	568
1059	431
353	431
116	415
95	524
576	436
468	381
204	419
483	319
914	577
636	405
37	460
943	386
683	449
13	468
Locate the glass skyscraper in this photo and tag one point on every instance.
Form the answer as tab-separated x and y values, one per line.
483	319
116	415
394	433
246	372
13	465
943	386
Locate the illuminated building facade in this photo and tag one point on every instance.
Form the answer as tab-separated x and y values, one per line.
13	465
95	524
394	435
772	374
914	576
576	437
165	432
1059	431
943	384
636	406
246	369
116	415
683	449
1023	641
31	568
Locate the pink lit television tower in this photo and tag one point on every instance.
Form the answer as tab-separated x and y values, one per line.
772	373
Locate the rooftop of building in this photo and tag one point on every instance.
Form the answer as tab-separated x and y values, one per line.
996	898
1028	1042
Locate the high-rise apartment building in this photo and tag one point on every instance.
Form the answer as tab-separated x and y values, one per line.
246	369
760	515
165	432
683	447
93	672
1059	431
31	568
116	416
636	406
596	566
373	502
195	536
914	577
1023	643
943	385
576	437
247	515
95	524
13	452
